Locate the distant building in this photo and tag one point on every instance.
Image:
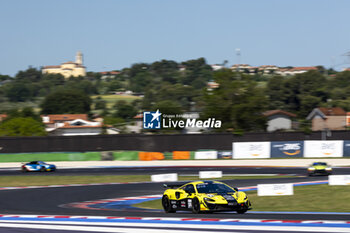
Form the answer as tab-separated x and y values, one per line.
109	74
192	130
241	67
268	69
245	68
348	119
212	85
295	70
71	125
2	117
137	125
216	67
278	119
68	69
328	118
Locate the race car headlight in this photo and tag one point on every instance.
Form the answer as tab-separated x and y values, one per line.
311	168
208	199
328	168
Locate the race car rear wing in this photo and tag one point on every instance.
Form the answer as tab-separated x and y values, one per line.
173	185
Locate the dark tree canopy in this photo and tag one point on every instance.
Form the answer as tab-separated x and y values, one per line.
22	126
66	101
238	103
19	91
124	110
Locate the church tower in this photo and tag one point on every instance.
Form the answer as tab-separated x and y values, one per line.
79	58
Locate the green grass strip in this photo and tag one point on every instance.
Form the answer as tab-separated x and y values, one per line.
47	178
47	157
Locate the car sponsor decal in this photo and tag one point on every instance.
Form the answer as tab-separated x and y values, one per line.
189	203
228	197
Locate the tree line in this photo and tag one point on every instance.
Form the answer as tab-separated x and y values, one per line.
175	88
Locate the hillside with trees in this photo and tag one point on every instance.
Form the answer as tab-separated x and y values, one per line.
174	88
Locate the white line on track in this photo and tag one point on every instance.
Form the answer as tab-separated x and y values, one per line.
94	229
157	227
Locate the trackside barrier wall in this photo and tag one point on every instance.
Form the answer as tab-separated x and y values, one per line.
126	155
149	156
346	150
251	150
287	149
157	142
181	155
326	149
225	155
210	154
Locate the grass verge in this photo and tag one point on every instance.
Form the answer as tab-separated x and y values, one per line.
48	179
112	99
315	198
47	157
43	179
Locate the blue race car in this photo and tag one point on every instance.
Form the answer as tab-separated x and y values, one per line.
38	166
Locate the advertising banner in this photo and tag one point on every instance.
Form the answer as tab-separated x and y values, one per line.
346	148
169	177
225	155
251	150
210	174
339	180
323	149
275	189
287	149
210	154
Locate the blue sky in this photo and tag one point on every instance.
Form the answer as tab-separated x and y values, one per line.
114	34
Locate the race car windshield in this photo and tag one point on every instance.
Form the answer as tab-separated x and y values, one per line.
322	164
214	188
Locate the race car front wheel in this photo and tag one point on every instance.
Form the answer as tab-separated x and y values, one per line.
167	205
196	206
241	211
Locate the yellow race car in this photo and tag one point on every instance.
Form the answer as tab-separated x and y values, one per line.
319	168
204	196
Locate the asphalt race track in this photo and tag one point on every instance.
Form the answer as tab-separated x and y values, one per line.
48	201
188	170
33	210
